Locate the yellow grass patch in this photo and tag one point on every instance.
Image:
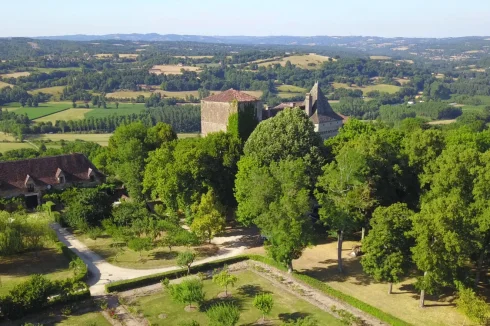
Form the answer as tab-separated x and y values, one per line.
49	90
16	74
70	114
402	81
301	61
439	76
407	61
379	57
171	69
6	137
102	139
474	51
442	122
194	56
291	88
2	84
365	89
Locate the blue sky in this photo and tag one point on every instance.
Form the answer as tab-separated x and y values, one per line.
418	18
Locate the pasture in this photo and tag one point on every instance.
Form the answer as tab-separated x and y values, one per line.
16	74
365	89
42	110
171	69
4	147
70	114
379	57
124	109
55	90
291	89
307	61
101	139
287	306
50	70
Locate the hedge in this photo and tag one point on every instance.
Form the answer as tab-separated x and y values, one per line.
319	285
73	256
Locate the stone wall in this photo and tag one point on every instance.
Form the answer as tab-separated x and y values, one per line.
214	115
328	129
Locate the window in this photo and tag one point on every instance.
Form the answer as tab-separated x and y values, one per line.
30	187
61	179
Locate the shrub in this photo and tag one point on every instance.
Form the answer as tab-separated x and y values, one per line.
223	315
473	306
188	291
308	321
264	303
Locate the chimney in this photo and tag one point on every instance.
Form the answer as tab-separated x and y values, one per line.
308	105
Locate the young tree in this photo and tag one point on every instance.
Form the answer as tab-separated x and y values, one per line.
140	244
264	303
187	292
224	278
223	314
209	217
387	246
185	259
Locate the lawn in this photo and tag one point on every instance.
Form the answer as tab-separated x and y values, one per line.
320	262
42	110
301	61
16	269
11	146
365	89
158	257
286	306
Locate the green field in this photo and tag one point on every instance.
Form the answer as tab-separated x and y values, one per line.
49	70
366	89
124	109
42	110
286	305
55	90
291	89
70	114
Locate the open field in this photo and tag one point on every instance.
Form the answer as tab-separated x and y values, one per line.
122	55
16	269
11	146
171	69
102	139
301	61
55	90
320	262
3	84
158	257
291	88
441	122
125	109
42	110
70	114
365	89
379	57
49	70
16	74
286	306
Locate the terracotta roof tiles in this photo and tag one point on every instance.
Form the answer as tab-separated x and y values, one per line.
231	95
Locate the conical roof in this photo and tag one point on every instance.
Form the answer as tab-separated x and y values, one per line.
322	111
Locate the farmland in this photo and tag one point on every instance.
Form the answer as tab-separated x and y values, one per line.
3	84
49	70
70	114
55	90
126	109
379	57
171	69
308	61
16	74
365	89
44	109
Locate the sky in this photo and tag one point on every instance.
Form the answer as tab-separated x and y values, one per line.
388	18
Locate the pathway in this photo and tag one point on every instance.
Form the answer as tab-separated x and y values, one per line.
102	273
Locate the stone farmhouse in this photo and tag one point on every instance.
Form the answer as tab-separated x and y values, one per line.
327	123
32	178
216	109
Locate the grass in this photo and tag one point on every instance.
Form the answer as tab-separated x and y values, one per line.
124	109
3	84
16	74
17	269
50	70
291	89
172	69
55	90
70	114
4	147
379	57
366	89
286	305
158	257
102	139
42	110
301	61
320	263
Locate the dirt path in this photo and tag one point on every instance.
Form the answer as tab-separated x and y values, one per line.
102	273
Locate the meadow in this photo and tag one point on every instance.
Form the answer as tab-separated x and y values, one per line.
42	110
70	114
379	57
287	306
172	69
366	89
16	74
301	61
4	84
55	90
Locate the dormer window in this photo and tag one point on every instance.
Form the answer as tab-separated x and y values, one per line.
61	179
60	176
30	187
29	183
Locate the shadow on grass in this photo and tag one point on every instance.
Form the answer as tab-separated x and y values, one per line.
166	255
351	268
44	261
206	250
251	290
207	304
292	317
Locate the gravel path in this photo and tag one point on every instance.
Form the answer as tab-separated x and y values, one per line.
102	273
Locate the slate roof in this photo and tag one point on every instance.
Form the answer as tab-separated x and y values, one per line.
44	170
322	111
231	95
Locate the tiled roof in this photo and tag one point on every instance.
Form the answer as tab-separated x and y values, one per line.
44	170
290	105
231	95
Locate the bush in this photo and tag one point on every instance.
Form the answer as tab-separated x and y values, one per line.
264	303
223	315
473	306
